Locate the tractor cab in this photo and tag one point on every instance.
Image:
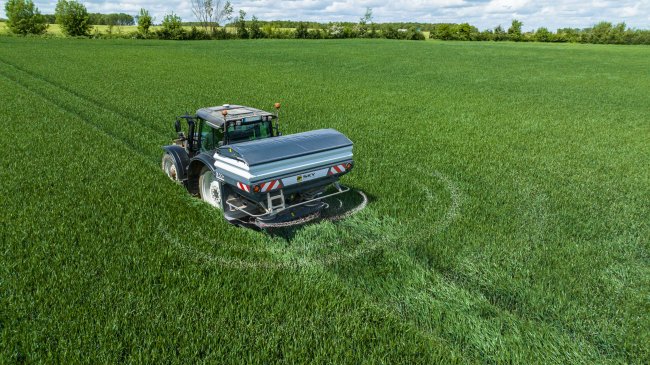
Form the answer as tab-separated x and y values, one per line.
217	126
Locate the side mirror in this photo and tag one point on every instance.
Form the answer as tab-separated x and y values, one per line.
177	126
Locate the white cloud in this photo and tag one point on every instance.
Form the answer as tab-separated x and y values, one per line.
481	13
506	6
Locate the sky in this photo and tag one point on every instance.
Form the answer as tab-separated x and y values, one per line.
483	14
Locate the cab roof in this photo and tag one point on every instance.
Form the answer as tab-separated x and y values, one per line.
213	115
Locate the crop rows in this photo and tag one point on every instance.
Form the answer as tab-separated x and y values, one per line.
505	224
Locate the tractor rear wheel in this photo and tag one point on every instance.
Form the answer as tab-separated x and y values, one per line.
210	188
170	168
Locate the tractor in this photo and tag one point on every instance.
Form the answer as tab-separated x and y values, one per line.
236	159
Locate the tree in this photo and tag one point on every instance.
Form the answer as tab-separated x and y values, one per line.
144	22
600	33
362	27
172	22
24	17
225	14
302	31
203	11
255	29
499	34
172	27
334	30
442	31
125	19
464	31
50	18
390	32
96	19
515	30
486	35
242	32
414	34
543	35
73	18
118	19
569	34
373	30
211	12
617	34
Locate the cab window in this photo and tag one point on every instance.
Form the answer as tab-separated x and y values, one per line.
210	137
249	131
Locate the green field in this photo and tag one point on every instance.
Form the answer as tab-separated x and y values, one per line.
508	222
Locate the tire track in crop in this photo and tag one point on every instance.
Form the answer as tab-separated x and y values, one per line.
281	257
72	105
279	260
68	110
296	257
533	212
78	95
390	238
477	296
457	198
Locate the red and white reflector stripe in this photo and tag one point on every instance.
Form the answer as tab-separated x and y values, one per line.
270	185
336	169
244	187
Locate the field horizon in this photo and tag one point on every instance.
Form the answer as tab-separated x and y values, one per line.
508	215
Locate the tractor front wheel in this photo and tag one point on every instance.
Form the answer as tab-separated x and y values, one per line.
170	168
210	188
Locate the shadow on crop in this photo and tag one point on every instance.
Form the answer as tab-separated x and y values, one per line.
339	208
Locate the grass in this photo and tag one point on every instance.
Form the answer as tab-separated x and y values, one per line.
508	220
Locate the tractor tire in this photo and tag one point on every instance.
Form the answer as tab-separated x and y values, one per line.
210	188
169	167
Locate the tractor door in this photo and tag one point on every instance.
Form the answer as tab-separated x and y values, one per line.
209	137
188	137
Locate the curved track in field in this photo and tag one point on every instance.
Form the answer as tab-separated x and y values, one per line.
293	256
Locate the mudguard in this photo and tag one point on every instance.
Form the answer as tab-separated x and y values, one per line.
203	158
181	158
194	170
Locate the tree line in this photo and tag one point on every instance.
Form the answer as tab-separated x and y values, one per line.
72	16
601	33
211	14
24	18
115	19
74	20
